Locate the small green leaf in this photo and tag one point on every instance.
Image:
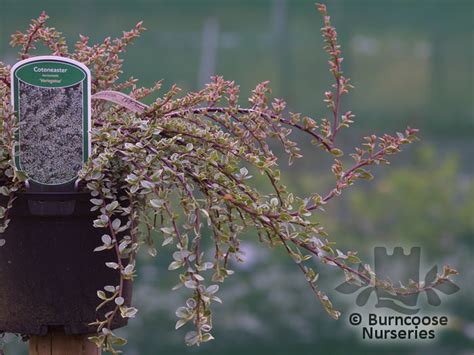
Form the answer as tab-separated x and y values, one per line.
180	323
353	259
112	265
119	341
212	289
156	203
112	206
207	337
97	202
175	265
167	241
116	224
147	184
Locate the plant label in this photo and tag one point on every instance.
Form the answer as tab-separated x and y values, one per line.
51	98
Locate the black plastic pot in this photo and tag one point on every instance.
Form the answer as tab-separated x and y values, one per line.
49	274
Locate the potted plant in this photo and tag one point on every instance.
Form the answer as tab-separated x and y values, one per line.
168	175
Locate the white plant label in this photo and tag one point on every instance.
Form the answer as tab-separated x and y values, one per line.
51	97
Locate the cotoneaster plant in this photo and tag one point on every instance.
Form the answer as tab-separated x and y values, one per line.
181	171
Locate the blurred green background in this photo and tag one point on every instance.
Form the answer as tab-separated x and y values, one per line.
412	64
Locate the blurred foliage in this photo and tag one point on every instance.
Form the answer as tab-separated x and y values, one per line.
410	59
428	201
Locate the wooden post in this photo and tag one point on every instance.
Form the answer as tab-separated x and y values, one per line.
58	343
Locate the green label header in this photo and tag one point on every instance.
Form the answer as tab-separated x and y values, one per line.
50	74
